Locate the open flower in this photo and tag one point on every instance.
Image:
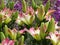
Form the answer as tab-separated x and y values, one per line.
28	17
35	33
12	33
6	14
7	42
54	37
19	21
48	14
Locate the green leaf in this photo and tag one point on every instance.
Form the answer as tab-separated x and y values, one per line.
10	34
18	35
34	5
47	6
16	42
6	30
14	16
0	21
2	5
51	26
22	40
2	36
7	20
11	5
24	6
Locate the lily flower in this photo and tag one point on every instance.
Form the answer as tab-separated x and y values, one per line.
28	17
12	33
34	32
19	21
6	14
7	42
54	37
22	31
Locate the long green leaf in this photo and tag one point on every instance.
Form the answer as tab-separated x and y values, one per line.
6	30
22	40
11	5
2	36
34	5
0	21
2	5
14	15
47	6
24	5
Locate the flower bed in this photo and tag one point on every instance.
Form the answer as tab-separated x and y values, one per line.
21	24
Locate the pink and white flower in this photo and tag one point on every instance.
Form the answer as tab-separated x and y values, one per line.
7	42
54	37
34	32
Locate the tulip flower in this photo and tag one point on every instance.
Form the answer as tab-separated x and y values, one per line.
7	42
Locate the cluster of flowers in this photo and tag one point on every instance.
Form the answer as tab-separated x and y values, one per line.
55	5
35	21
